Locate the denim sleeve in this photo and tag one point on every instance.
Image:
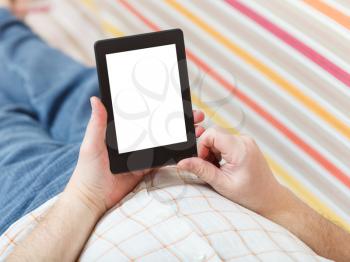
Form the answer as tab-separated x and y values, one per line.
57	86
44	109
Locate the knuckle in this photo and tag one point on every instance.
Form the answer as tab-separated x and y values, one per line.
199	169
216	132
249	144
219	130
211	131
208	133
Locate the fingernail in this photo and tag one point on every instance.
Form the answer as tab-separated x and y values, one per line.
181	163
92	103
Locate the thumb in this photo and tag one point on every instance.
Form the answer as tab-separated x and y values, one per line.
201	168
95	134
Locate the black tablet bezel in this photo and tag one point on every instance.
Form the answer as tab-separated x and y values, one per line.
152	157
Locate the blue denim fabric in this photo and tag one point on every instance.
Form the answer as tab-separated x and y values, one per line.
44	109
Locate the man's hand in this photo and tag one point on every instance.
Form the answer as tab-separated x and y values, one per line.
92	190
246	179
92	180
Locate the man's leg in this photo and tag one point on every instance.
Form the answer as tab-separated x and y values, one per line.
33	166
58	88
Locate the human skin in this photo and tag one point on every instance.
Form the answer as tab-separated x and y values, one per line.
244	177
18	7
91	191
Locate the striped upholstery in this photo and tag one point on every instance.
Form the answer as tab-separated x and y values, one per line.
277	70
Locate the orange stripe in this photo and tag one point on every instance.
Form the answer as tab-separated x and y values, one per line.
292	182
299	189
299	142
292	90
331	12
318	109
306	50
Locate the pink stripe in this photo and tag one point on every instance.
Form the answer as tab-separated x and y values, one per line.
307	51
298	141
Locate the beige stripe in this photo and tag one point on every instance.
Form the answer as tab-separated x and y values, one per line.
265	137
286	62
337	44
345	3
260	89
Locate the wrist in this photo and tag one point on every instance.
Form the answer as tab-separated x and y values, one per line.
282	203
84	201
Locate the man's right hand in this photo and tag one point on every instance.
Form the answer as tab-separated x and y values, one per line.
244	177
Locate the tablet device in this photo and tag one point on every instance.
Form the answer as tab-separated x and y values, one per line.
145	89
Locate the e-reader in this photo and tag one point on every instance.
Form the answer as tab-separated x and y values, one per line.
145	88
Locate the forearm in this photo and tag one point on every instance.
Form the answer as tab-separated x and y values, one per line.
61	235
320	234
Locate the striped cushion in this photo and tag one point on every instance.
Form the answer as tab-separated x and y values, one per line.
277	70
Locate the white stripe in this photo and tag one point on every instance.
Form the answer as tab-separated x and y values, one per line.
124	17
317	192
344	90
295	172
323	19
338	6
344	3
280	136
258	7
226	54
202	57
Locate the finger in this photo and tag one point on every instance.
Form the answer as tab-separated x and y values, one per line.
208	155
128	182
142	173
94	139
199	131
204	151
198	116
215	160
231	148
201	168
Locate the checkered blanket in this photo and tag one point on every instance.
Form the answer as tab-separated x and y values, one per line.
173	216
277	70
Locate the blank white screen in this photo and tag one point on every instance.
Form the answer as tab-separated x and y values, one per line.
146	98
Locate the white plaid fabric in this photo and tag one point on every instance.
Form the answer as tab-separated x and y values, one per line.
173	216
170	216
